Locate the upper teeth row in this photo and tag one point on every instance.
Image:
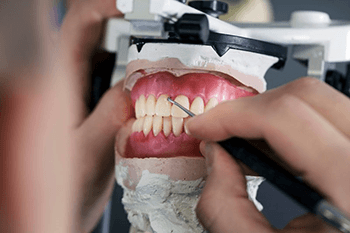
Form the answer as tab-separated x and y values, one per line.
162	107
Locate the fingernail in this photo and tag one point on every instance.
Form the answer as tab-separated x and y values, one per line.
192	121
186	127
186	130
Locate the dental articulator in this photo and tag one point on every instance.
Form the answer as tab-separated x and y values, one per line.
192	33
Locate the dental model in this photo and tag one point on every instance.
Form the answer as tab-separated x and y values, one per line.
158	164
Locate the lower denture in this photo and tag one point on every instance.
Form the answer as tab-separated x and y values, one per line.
151	140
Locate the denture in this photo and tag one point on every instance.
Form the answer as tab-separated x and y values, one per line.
159	127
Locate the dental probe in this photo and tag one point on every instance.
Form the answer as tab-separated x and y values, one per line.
191	114
255	159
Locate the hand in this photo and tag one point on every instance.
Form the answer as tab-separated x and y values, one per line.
81	33
306	123
59	159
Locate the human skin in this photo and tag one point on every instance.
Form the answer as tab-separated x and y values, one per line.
249	11
57	160
306	123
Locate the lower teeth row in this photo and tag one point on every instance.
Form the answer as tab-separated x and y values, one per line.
158	124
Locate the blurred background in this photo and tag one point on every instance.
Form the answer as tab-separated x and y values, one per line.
278	208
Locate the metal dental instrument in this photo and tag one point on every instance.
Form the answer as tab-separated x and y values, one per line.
191	114
255	159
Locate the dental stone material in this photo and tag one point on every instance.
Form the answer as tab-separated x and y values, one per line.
159	204
247	67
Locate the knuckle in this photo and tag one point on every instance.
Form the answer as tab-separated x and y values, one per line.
308	81
285	102
305	84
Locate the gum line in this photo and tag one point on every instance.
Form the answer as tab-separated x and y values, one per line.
191	85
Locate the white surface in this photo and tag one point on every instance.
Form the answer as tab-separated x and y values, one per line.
310	18
116	29
199	56
125	6
159	204
334	36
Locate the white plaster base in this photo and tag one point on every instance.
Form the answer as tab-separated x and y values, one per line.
159	204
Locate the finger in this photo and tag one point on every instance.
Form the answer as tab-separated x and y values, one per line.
100	128
35	158
299	134
330	103
81	33
82	28
224	205
122	138
95	139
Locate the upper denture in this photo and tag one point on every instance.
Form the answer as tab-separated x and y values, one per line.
191	85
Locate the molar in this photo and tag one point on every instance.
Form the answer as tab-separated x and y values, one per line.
163	107
197	106
147	125
177	123
211	104
167	126
140	107
176	111
150	105
157	125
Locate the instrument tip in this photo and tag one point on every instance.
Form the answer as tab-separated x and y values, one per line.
170	100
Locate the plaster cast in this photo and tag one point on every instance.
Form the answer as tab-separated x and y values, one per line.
160	194
159	204
246	67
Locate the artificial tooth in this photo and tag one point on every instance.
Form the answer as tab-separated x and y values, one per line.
176	111
177	123
157	125
197	106
140	107
150	105
147	125
211	104
134	125
163	106
167	126
138	124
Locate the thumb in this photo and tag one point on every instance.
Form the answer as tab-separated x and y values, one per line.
224	205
